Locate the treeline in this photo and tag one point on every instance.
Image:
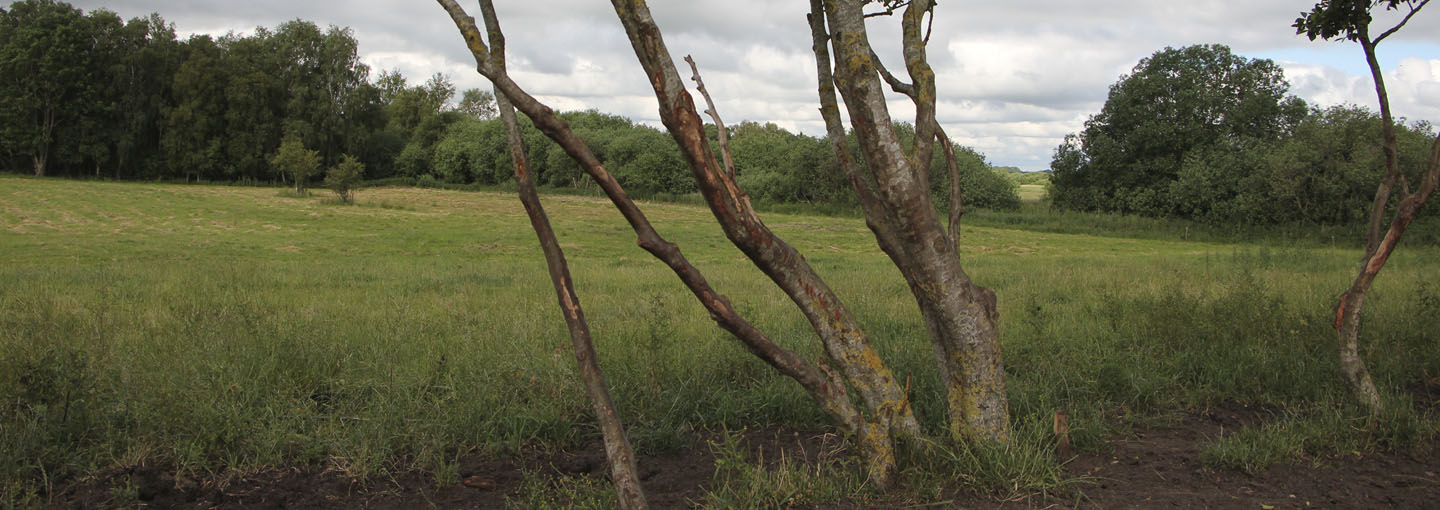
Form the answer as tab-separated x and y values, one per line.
89	95
1201	133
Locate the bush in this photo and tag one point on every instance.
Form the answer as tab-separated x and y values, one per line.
294	159
981	186
345	177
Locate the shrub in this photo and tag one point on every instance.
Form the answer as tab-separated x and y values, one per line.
345	177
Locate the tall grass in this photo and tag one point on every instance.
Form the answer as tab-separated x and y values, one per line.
228	328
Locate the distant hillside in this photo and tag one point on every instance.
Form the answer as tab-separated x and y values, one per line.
1023	177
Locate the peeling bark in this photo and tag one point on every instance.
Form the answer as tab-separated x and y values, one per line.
820	382
845	344
623	470
1378	249
1351	303
961	315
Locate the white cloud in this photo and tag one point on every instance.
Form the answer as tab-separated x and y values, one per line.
1413	87
1013	77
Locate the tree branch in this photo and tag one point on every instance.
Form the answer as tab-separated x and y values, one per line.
623	469
714	112
840	334
923	78
1413	9
957	190
828	390
898	86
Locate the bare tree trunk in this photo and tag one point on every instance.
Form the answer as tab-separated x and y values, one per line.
844	342
1348	310
623	470
1377	249
1390	145
960	315
42	154
823	384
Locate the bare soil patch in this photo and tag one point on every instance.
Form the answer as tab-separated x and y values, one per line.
1154	468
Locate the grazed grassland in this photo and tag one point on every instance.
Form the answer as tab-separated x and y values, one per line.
218	328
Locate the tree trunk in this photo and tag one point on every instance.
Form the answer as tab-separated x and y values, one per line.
39	163
1348	310
1377	249
871	429
961	315
1347	325
623	470
844	342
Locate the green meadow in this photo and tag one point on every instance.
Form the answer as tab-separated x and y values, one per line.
236	328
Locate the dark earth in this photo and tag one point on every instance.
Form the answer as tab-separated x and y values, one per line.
1153	468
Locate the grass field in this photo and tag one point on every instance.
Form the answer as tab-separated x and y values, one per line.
1032	192
231	328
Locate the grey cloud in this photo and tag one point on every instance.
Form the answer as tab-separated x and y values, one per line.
1013	77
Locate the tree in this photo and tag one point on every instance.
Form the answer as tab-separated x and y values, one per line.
1351	19
420	116
143	73
1175	103
47	78
345	177
478	103
294	159
195	127
255	97
894	190
320	70
623	468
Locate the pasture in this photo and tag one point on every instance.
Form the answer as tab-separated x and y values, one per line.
220	329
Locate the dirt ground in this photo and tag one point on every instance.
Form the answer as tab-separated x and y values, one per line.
1156	468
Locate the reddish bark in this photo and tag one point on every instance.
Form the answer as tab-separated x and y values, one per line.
1378	249
623	470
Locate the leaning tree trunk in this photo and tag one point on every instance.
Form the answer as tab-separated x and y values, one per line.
1377	249
623	470
961	316
873	428
1351	303
845	344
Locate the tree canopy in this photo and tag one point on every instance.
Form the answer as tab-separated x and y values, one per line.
87	94
1176	104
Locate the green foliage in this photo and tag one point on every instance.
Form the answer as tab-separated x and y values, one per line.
1349	18
776	166
140	104
479	104
102	97
53	91
466	154
1324	171
1023	178
1177	105
981	186
345	177
195	128
300	163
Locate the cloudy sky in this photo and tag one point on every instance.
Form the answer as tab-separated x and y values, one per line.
1013	77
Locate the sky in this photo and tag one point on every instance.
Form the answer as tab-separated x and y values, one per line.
1013	78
